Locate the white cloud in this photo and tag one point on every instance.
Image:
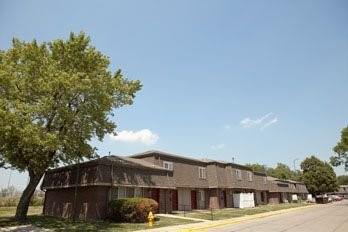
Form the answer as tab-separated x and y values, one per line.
218	146
144	136
273	121
247	122
262	122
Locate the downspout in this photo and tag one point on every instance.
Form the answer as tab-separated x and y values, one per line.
75	193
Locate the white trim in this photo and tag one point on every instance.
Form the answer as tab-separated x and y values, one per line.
170	165
202	173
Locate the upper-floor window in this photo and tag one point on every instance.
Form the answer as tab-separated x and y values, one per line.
168	165
202	173
239	174
250	176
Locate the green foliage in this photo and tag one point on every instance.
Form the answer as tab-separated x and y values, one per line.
342	180
318	176
258	167
281	171
132	209
341	150
54	98
13	201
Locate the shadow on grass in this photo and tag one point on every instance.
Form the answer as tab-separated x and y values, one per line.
59	224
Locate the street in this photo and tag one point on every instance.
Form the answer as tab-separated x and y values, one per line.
324	218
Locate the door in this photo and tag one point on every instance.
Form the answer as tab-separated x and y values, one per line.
175	199
225	198
155	195
193	199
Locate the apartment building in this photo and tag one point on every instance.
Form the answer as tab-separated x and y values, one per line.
176	182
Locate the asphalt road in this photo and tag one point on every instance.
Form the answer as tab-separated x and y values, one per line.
324	218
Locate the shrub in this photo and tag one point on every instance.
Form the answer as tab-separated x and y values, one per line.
131	209
13	201
8	201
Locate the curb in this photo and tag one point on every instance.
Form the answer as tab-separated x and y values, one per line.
246	218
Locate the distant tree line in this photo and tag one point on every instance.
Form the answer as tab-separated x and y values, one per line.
318	175
281	171
342	180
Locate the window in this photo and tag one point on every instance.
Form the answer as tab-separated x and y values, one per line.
130	192
114	193
238	174
201	195
202	173
127	192
138	192
122	192
250	176
168	165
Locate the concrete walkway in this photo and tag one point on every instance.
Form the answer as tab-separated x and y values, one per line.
204	226
181	217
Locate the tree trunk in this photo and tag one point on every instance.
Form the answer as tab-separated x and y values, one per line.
23	205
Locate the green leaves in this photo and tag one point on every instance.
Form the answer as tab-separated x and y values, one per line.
54	98
318	176
341	150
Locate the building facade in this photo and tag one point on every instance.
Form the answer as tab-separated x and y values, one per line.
83	191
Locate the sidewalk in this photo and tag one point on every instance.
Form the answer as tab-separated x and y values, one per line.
181	217
211	224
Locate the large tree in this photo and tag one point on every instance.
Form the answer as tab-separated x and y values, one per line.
341	150
318	176
54	98
281	171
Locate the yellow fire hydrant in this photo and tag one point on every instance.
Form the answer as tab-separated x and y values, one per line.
151	218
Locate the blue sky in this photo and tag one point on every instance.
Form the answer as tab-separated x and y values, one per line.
260	81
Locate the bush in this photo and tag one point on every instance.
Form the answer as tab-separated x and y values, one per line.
13	201
131	209
8	201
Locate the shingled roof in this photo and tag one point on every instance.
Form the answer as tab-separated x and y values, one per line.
182	157
126	171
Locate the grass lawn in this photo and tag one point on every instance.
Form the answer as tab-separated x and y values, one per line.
234	212
58	224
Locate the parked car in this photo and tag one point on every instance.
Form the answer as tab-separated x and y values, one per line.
322	199
337	198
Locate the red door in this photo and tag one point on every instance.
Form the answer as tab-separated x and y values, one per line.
175	199
225	199
155	194
193	199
